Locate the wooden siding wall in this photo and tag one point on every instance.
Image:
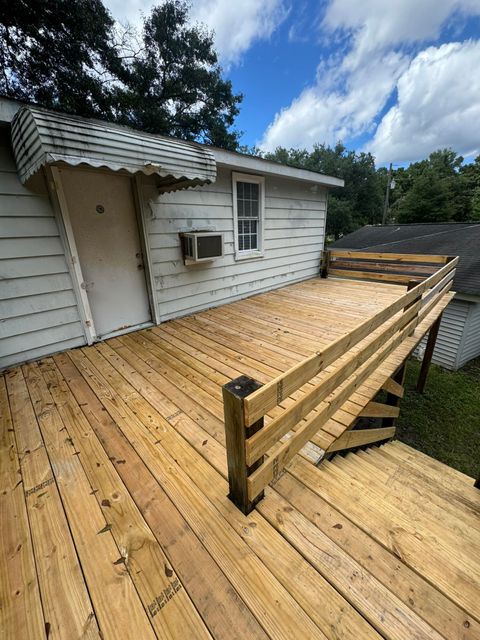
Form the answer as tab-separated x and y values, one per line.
293	240
450	337
38	312
471	341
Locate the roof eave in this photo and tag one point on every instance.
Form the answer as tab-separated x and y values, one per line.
233	160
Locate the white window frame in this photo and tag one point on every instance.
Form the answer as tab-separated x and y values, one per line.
249	254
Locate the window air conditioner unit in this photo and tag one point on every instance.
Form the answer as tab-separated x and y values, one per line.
202	246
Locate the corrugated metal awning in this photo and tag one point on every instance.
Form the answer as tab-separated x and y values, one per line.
41	137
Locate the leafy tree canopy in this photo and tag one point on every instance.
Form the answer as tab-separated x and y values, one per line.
441	188
437	189
70	55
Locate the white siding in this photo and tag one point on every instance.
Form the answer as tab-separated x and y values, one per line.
471	342
449	339
38	312
293	240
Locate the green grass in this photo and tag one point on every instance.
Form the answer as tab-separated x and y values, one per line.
444	422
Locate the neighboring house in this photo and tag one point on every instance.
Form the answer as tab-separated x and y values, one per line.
91	217
459	336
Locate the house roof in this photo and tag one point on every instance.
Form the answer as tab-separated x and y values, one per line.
41	137
255	164
455	239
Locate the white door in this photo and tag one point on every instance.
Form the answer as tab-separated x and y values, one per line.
104	223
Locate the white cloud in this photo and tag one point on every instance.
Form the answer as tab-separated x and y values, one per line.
130	11
327	116
438	106
237	25
377	42
376	25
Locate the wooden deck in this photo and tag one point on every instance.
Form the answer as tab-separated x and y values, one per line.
114	519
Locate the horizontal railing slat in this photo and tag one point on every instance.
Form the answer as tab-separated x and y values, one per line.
281	387
432	302
273	466
403	268
390	257
439	286
372	275
286	434
259	443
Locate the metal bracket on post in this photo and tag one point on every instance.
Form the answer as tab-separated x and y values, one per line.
234	393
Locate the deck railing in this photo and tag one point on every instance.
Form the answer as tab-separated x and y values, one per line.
396	268
257	452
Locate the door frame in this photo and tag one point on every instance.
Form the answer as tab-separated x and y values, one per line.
141	213
57	193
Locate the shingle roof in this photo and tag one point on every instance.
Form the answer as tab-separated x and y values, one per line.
455	239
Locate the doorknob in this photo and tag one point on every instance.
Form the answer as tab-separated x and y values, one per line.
87	285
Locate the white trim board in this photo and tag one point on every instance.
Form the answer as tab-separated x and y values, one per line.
59	200
253	253
234	160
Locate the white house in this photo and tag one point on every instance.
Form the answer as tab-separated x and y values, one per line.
91	222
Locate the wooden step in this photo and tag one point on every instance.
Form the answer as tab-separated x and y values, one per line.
403	450
361	437
406	498
432	523
422	551
434	607
435	471
465	502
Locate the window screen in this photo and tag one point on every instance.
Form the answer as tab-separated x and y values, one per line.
248	215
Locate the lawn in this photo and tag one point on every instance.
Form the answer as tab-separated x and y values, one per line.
444	421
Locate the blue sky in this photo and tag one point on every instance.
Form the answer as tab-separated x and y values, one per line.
400	79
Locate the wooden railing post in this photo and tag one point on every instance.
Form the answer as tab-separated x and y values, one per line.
234	393
427	356
411	285
325	265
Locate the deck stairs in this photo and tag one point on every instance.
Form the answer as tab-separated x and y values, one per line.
393	524
395	488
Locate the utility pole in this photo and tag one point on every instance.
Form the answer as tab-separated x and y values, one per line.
387	195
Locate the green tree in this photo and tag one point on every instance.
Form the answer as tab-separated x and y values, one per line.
426	201
174	84
470	174
340	218
436	189
55	53
70	55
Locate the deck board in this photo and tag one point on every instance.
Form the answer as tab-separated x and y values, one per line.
126	438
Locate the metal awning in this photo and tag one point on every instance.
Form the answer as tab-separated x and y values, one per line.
41	137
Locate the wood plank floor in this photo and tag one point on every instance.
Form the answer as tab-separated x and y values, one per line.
114	521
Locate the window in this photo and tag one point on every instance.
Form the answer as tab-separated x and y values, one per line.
248	206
